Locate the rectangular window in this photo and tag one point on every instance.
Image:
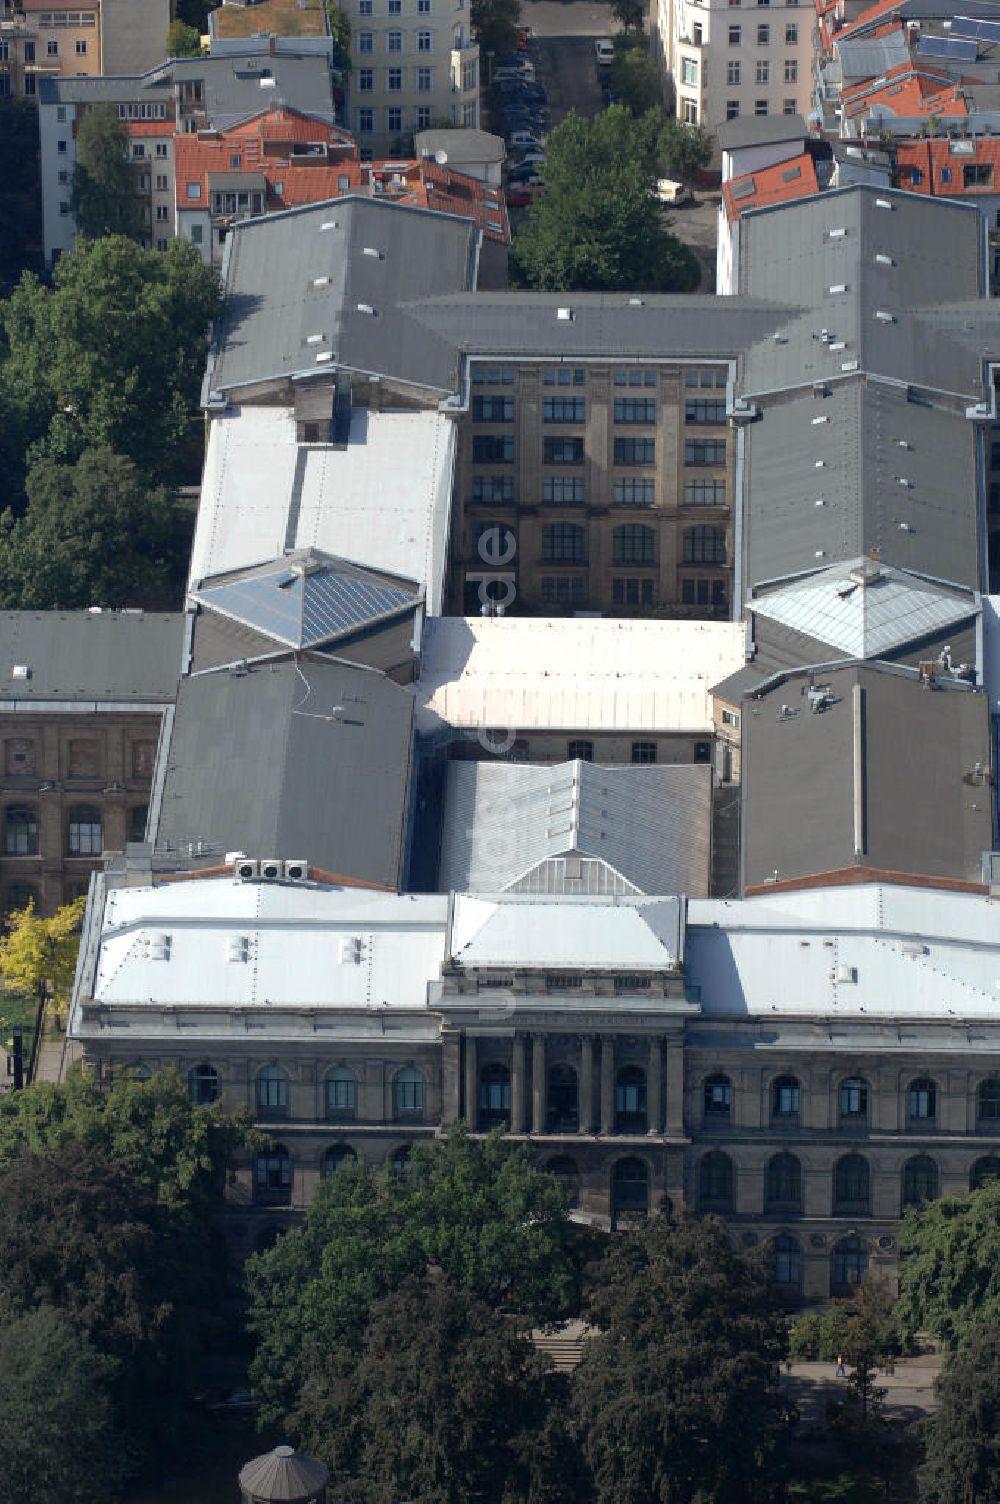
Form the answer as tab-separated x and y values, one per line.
627	591
29	83
197	234
564	590
705	410
695	592
64	175
644	752
704	493
366	41
423	117
562	490
735	35
562	451
194	190
493	488
29	53
689	72
789	107
635	451
162	212
689	113
138	150
469	76
489	448
762	71
792	35
366	80
470	115
632	491
366	122
394	80
425	41
423	7
791	71
81	48
161	148
394	121
977	175
732	109
564	410
63	207
704	545
492	375
61	148
425	80
364	7
395	7
161	182
763	36
635	410
565	376
734	73
493	409
705	452
394	41
51	49
161	245
760	107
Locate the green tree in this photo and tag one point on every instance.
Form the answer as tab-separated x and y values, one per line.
495	24
38	956
678	1396
102	196
20	191
58	1441
962	1454
195	13
94	534
479	1211
676	150
630	14
340	31
597	227
949	1270
634	74
183	40
443	1400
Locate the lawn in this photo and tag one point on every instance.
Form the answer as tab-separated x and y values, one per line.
287	18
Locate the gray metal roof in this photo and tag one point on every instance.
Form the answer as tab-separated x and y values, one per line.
302	759
576	828
307	598
642	326
890	776
110	656
321	287
864	467
870	58
759	130
283	1476
864	608
461	145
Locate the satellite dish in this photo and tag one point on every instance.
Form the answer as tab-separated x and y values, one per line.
440	158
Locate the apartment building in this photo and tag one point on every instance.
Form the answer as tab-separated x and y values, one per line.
732	58
73	38
414	67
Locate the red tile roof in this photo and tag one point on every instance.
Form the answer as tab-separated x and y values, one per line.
906	90
771	185
151	127
940	166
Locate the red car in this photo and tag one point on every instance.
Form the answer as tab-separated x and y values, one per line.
519	195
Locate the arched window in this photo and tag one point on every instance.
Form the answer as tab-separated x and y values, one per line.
715	1181
203	1084
272	1091
564	1114
783	1184
564	1168
848	1266
634	544
786	1270
853	1099
988	1101
334	1157
921	1100
563	543
85	837
850	1185
717	1099
630	1188
630	1100
274	1175
704	545
785	1100
494	1096
408	1093
920	1180
20	831
341	1093
985	1169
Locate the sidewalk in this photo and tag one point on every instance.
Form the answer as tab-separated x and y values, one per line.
55	1053
909	1390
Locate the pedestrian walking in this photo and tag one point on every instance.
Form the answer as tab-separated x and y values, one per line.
841	1370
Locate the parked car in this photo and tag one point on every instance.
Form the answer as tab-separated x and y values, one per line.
667	191
520	195
604	51
524	72
526	138
526	170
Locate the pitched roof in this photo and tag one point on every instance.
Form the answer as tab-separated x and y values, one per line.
575	827
770	185
567	934
864	608
308	599
937	166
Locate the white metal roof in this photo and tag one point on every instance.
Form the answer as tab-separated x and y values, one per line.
567	934
873	951
382	501
599	674
863	608
218	940
639	829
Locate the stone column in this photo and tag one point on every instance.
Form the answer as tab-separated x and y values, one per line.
451	1079
471	1082
653	1073
675	1085
538	1083
586	1104
517	1085
607	1083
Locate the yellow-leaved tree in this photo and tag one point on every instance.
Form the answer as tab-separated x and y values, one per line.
38	956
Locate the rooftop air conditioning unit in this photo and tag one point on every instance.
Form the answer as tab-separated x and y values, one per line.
271	869
296	872
247	870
